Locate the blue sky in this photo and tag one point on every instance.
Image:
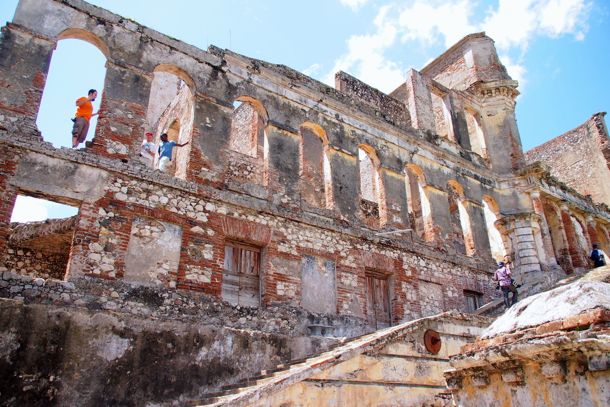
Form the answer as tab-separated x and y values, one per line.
559	50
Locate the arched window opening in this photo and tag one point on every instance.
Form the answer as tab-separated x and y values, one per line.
491	213
461	233
248	124
369	179
372	202
602	239
245	127
556	230
442	114
316	185
248	148
583	242
475	133
420	216
77	52
171	110
40	239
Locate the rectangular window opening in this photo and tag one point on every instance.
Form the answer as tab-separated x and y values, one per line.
40	238
474	300
378	299
241	274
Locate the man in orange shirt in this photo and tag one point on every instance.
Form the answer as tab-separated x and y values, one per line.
84	112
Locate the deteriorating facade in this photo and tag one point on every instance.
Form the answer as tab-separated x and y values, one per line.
296	210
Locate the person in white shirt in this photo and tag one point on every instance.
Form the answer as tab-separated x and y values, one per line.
147	150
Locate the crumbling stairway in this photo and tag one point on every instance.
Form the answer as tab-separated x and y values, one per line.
271	385
496	307
281	373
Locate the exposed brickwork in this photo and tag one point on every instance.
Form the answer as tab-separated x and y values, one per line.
580	158
324	195
299	189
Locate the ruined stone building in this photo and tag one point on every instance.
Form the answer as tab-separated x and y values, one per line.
297	214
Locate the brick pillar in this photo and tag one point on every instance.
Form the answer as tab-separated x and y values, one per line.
100	240
8	193
573	246
25	60
592	230
544	228
122	118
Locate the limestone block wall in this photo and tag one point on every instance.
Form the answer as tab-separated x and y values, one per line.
30	262
121	227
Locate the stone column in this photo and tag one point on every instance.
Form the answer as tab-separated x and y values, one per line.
544	228
499	125
526	263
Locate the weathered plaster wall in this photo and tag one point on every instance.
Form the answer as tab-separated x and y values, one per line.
75	356
399	371
549	349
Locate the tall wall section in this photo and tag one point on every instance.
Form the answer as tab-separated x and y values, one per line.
296	209
580	158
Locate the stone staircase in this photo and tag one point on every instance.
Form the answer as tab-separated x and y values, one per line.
282	373
264	388
543	281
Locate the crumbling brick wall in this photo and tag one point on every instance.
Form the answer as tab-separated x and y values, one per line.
580	158
281	201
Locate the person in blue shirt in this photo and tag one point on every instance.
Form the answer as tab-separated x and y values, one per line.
165	151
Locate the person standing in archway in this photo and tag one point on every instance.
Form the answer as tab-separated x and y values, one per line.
165	151
84	112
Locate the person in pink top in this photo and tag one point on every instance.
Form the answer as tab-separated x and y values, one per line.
504	279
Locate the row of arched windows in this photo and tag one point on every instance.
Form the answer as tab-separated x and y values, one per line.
171	110
248	133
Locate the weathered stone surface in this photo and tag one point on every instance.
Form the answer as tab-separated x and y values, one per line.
399	191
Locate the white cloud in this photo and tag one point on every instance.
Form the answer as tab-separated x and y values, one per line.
513	24
28	209
312	69
353	4
516	22
565	16
365	58
426	21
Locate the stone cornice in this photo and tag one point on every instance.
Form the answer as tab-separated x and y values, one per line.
488	91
